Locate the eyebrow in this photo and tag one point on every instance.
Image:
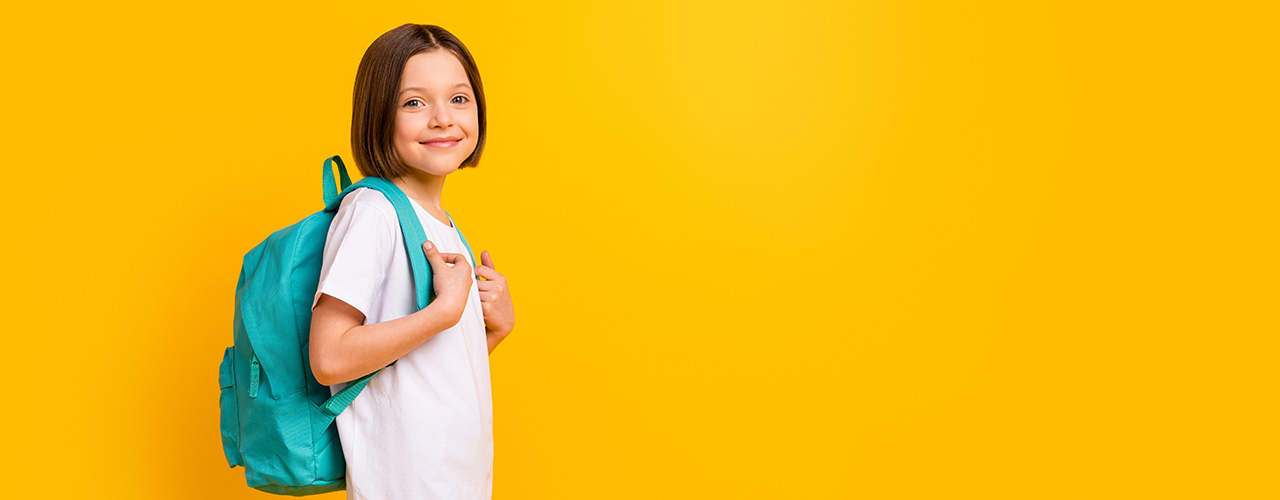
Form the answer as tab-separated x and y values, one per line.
420	88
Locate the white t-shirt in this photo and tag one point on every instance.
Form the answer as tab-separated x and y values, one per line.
423	427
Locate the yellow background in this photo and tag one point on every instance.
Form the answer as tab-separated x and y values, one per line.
839	249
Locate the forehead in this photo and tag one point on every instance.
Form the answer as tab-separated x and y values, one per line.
435	70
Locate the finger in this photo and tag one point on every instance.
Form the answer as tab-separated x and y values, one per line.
486	259
490	286
455	259
487	272
433	254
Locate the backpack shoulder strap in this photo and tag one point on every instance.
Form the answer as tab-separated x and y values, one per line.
414	237
410	226
474	257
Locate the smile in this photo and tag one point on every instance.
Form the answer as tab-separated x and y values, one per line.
441	144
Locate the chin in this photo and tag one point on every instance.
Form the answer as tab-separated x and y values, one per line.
438	169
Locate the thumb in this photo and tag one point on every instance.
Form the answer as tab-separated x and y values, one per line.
486	260
433	253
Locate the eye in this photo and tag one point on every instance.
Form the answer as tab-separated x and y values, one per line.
412	100
465	99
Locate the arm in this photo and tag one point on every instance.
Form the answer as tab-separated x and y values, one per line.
342	349
493	339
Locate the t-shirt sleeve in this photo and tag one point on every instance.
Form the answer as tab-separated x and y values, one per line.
357	254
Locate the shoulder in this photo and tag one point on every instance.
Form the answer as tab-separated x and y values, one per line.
367	200
363	203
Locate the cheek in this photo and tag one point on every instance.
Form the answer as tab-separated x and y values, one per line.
405	134
403	128
470	122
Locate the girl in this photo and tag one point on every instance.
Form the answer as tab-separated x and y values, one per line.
423	427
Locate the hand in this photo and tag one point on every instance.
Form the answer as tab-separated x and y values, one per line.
495	298
450	275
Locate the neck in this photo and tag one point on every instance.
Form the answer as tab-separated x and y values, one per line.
424	188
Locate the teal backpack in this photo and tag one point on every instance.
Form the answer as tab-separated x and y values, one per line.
277	420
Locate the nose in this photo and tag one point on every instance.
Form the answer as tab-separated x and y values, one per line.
441	116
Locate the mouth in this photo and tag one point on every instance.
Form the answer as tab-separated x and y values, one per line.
441	144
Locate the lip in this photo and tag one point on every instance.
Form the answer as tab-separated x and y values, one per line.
442	144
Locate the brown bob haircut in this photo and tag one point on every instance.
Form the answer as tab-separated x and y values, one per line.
378	88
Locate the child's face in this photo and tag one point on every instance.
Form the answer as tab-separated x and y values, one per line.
436	100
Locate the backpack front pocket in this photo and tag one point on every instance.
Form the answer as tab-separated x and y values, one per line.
230	421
